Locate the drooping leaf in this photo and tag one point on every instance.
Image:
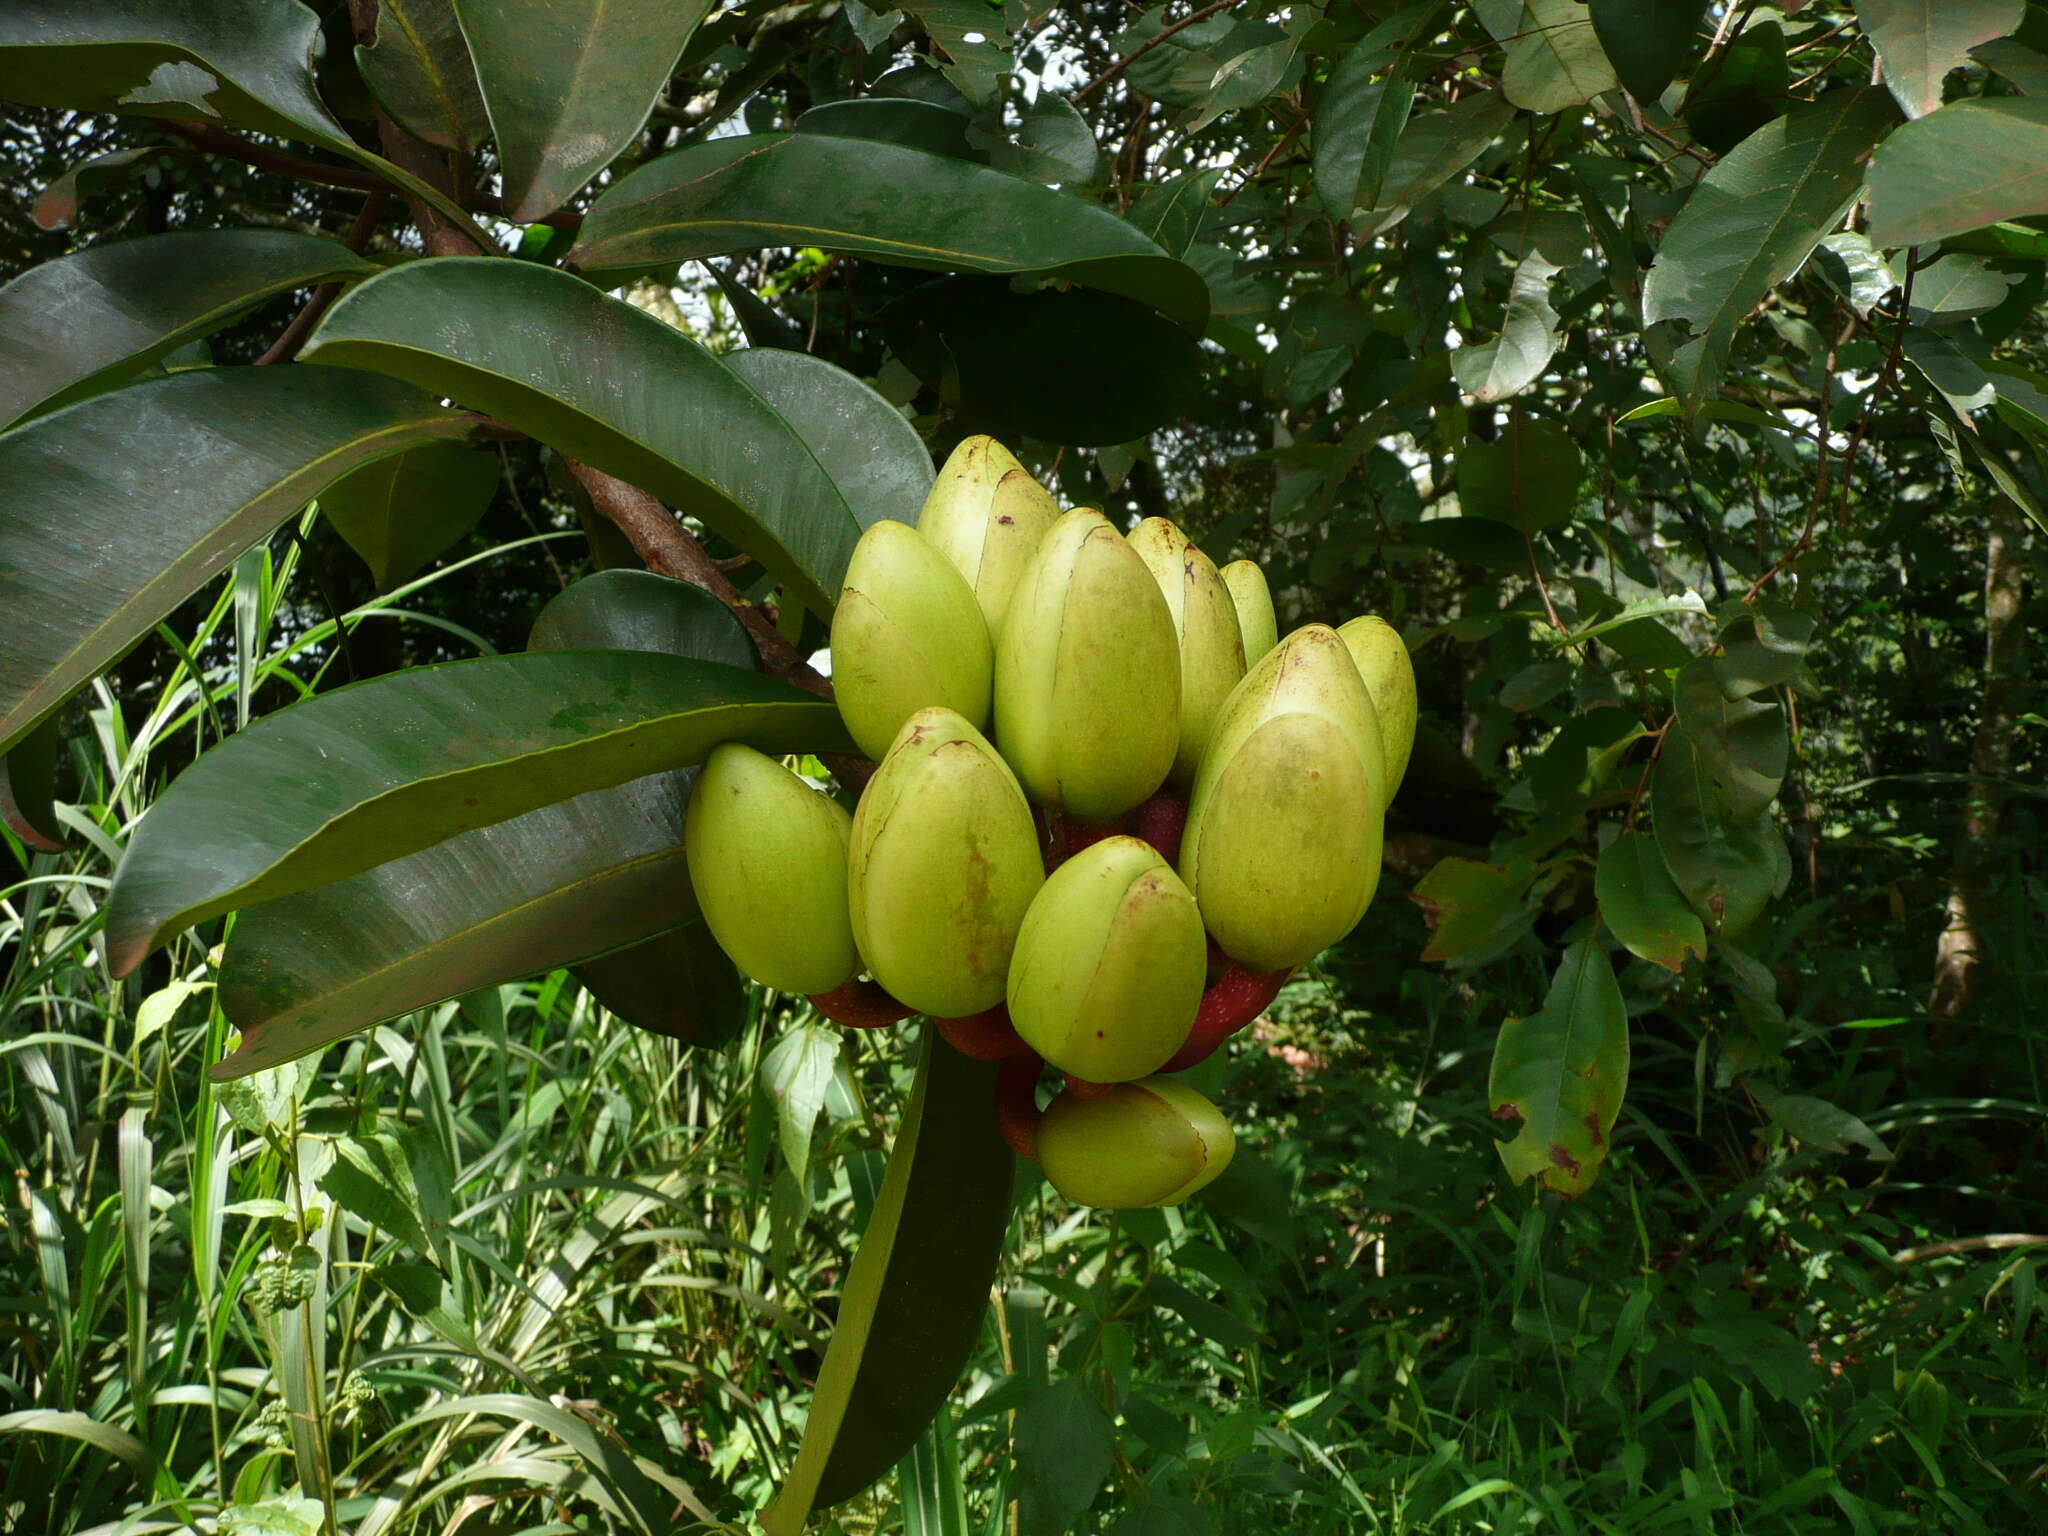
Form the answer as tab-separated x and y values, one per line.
1054	144
567	86
1920	41
1817	1122
122	505
1950	371
2025	67
1765	651
678	983
28	788
634	610
1969	164
1476	912
1527	477
401	512
1358	122
912	1305
419	68
1563	1073
1647	41
1554	58
1642	906
338	784
246	63
1081	366
73	326
795	1073
921	125
1507	364
57	206
1742	743
1432	149
872	453
609	384
887	202
371	1180
1750	222
1727	870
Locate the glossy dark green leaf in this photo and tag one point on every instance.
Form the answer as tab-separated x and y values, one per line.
971	38
120	506
1920	41
1076	366
678	983
1065	1449
1647	41
1969	164
872	453
28	788
1563	1073
1358	121
72	326
1642	906
246	63
920	125
1742	743
887	202
345	781
1171	213
1749	224
1432	149
912	1305
568	85
640	611
401	512
1528	477
1727	870
419	68
1554	58
1054	144
609	384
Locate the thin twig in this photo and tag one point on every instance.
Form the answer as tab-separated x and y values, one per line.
264	158
1971	1245
1146	47
294	335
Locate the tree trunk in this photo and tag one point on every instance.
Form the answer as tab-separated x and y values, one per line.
1960	951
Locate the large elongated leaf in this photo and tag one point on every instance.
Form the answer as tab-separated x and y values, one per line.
888	202
1726	869
609	384
1563	1073
872	453
1920	41
70	326
913	1302
1642	905
678	983
1431	150
352	779
401	512
1358	120
120	506
568	85
1646	40
419	67
243	62
1554	58
1970	164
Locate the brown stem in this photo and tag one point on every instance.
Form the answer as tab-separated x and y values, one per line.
230	146
294	335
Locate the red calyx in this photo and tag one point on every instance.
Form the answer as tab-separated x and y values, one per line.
1238	996
1161	821
986	1036
1017	1111
1081	1088
861	1004
1081	834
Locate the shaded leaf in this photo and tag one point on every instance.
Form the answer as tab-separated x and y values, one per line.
73	326
1563	1073
1957	288
1817	1122
1527	477
1920	41
678	983
970	36
920	125
107	531
1476	912
1969	164
1358	123
1432	149
1766	650
402	512
57	207
609	384
1554	58
328	788
911	1309
107	1438
1952	373
1642	906
1170	214
634	610
1065	1448
883	201
369	1178
1054	144
1727	870
568	86
1647	41
418	67
1741	742
1509	363
28	788
1750	223
874	455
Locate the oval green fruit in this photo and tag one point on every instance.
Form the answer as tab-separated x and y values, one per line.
1110	964
907	634
1087	694
944	863
1283	840
767	857
1153	1142
1254	602
1389	676
1205	622
986	514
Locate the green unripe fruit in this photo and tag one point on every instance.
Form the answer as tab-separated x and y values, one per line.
1147	1143
1110	964
1282	848
1205	621
1088	674
944	863
1254	602
1389	676
986	515
767	856
907	634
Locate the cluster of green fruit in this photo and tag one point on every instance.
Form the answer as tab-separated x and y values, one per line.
1177	809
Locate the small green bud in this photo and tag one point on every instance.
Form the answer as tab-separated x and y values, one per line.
1153	1142
1389	676
1254	602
